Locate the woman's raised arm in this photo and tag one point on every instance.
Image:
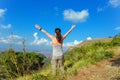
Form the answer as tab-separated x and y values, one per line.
42	30
72	27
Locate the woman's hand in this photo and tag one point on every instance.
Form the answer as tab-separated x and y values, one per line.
37	26
73	26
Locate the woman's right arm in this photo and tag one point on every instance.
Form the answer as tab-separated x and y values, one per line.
73	26
42	30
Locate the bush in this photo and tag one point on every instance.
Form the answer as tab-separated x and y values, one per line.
40	77
116	40
109	54
19	63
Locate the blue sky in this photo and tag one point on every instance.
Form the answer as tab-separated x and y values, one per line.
93	19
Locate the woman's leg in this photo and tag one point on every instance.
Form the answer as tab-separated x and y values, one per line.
54	65
61	62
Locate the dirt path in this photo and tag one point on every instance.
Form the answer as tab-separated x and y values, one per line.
103	70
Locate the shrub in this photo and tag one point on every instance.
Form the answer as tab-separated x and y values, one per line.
116	40
19	64
109	54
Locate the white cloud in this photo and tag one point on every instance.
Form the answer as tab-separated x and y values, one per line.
89	38
38	41
114	3
19	43
44	41
5	41
5	26
35	35
74	43
76	16
2	12
68	44
117	28
15	37
8	40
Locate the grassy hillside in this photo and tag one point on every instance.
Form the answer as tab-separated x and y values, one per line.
90	42
85	54
97	40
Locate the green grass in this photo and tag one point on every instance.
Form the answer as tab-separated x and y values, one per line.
74	61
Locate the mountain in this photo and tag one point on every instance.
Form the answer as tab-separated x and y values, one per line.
90	42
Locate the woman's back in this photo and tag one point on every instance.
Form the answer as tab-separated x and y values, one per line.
55	42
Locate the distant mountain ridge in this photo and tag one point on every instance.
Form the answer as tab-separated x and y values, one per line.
90	42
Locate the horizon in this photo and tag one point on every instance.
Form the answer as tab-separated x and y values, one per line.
92	21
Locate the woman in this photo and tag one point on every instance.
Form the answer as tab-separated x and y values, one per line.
57	41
